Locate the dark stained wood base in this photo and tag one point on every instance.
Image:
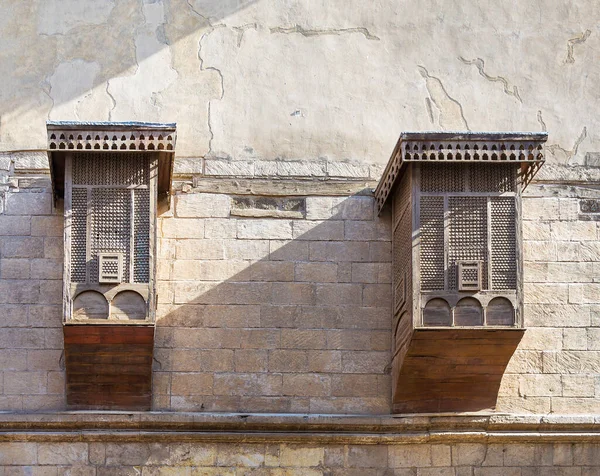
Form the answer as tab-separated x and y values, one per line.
452	370
109	367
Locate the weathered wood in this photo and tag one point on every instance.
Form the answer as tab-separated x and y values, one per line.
445	370
109	367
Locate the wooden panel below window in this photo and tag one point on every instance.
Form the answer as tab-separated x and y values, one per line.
453	370
109	367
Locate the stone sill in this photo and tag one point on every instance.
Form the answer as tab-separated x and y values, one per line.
298	428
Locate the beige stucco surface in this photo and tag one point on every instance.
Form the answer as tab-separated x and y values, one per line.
266	79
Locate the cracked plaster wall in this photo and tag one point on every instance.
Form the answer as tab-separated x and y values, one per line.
258	79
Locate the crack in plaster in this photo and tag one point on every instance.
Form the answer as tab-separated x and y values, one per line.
203	17
480	65
578	40
541	121
451	111
210	68
242	29
46	87
113	100
429	110
570	154
329	31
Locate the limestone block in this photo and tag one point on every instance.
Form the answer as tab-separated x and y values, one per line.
351	405
223	293
568	209
15	225
371	273
13	359
575	339
19	292
578	386
540	251
288	361
25	383
327	361
188	165
46	269
18	453
339	169
293	293
546	293
573	231
364	362
341	294
303	339
272	271
246	249
562	454
536	231
540	385
403	456
354	385
321	208
53	248
61	454
248	384
193	360
540	209
211	270
22	247
151	454
593	336
286	250
200	205
380	252
250	360
318	230
182	228
260	338
264	229
582	405
301	168
199	250
96	453
339	251
190	454
377	295
38	359
378	230
441	455
525	362
14	268
232	316
570	272
206	338
22	203
587	454
316	272
228	167
191	383
557	315
301	456
243	455
50	292
542	338
220	228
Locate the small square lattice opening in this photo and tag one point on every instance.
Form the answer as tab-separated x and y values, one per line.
110	267
469	275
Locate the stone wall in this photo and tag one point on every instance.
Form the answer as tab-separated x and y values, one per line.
467	459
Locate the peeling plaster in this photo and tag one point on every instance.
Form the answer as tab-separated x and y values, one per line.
138	94
451	115
578	40
61	16
569	154
480	64
329	31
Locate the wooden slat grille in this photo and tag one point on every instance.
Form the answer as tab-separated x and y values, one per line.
432	243
467	235
503	243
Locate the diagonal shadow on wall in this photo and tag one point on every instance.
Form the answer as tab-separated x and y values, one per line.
274	315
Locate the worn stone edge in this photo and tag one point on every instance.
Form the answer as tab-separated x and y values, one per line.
291	428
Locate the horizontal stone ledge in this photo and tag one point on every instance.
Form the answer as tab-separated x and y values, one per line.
275	187
306	438
378	427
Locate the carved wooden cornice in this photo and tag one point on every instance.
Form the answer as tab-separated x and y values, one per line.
523	148
111	136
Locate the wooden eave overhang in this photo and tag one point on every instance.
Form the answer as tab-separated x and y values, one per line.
143	137
524	148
